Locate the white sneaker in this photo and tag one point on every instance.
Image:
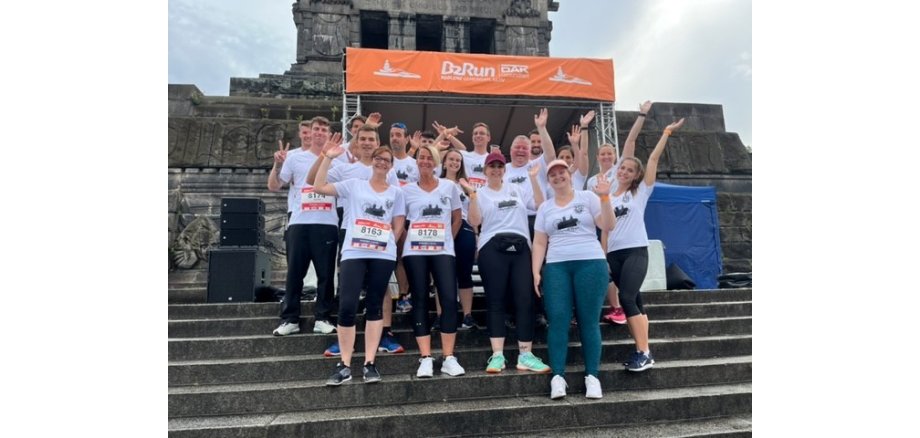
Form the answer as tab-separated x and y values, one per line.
323	327
557	387
592	387
286	328
426	369
451	367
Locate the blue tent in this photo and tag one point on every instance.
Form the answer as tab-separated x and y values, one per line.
686	220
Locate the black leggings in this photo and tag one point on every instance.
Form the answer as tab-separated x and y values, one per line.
355	274
465	248
627	270
443	269
502	274
309	243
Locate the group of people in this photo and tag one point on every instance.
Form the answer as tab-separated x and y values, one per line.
426	208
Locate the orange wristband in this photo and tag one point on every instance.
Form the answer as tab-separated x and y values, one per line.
605	198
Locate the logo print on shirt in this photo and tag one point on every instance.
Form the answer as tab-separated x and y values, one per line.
477	168
445	200
569	222
620	211
432	210
510	203
374	210
579	208
519	179
402	176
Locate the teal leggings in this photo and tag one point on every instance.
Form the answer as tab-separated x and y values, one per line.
582	283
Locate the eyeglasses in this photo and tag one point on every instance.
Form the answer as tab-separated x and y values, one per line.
382	160
399	125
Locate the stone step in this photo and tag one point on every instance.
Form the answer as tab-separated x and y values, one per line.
469	417
735	426
246	310
199	328
317	367
306	342
406	388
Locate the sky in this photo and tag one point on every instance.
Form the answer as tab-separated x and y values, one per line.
694	51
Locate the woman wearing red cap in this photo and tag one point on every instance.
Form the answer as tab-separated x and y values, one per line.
504	258
575	271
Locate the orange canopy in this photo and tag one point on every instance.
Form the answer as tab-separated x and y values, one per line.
403	71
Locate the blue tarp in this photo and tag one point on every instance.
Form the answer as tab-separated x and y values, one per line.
686	220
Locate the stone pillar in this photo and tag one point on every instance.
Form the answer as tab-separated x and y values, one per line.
456	34
402	31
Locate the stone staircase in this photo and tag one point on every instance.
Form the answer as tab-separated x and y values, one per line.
228	376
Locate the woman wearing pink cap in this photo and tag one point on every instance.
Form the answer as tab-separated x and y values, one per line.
575	271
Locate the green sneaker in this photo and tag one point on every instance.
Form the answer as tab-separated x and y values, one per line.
528	362
496	363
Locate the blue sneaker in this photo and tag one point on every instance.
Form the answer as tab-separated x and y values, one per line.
333	350
640	362
403	305
388	344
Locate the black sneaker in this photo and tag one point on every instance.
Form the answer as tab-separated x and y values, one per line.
468	322
342	374
371	374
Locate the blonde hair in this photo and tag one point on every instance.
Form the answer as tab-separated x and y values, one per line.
431	150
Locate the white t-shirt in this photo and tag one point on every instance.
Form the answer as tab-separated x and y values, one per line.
629	210
503	211
570	229
293	194
406	170
474	166
346	157
429	216
356	170
368	219
306	207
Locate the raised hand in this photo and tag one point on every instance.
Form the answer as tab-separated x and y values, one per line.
281	154
416	140
333	148
439	128
675	126
586	119
645	106
374	119
495	148
454	131
575	136
466	186
534	170
603	185
540	119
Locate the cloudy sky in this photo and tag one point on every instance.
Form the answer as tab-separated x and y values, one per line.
663	50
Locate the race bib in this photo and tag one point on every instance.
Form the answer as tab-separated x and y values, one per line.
427	236
368	234
312	201
476	182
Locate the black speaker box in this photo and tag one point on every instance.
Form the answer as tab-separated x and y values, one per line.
244	237
241	221
242	205
234	274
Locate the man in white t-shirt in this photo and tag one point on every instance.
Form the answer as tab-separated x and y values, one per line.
312	235
473	161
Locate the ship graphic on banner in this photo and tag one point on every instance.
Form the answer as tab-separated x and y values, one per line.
389	71
562	77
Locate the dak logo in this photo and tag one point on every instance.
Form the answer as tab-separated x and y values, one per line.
579	208
445	200
389	204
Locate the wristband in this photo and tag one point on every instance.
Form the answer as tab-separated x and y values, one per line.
643	115
605	198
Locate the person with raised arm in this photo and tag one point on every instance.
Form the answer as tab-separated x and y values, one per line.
575	272
504	259
627	243
375	213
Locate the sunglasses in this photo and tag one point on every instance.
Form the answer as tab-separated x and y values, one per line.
399	125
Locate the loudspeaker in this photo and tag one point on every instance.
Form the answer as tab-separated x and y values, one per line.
239	221
242	205
244	237
234	274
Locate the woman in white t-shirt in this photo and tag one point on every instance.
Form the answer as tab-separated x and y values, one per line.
433	212
627	244
375	214
465	240
504	258
575	271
